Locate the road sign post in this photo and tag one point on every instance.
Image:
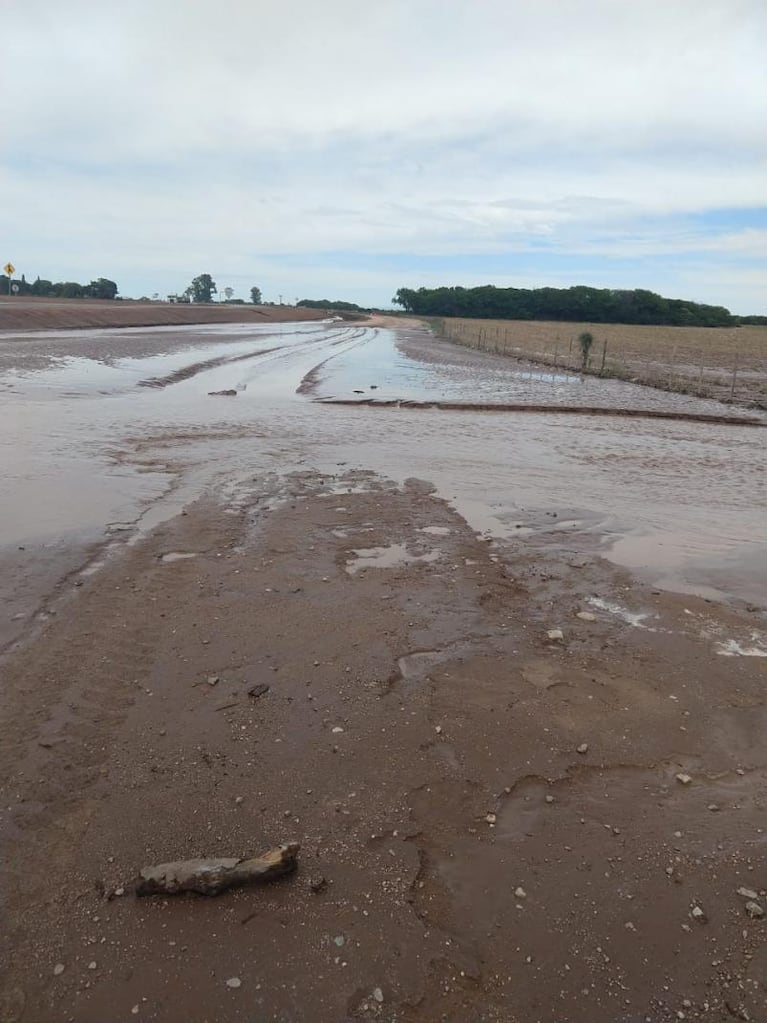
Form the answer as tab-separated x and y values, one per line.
10	269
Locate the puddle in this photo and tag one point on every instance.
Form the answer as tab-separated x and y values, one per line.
387	557
178	556
633	618
415	665
731	648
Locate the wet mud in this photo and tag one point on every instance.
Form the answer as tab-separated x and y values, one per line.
511	677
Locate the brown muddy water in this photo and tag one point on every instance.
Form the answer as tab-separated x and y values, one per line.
104	434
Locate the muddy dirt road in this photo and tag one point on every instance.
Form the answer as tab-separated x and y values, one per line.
511	670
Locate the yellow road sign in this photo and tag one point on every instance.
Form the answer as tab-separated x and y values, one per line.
9	269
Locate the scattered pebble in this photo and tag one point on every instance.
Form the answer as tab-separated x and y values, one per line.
234	982
583	748
520	893
683	779
92	965
586	616
337	729
713	807
556	635
340	940
491	818
754	910
438	729
378	994
698	914
549	799
213	680
58	969
120	891
239	799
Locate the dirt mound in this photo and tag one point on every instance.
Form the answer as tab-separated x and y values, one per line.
75	314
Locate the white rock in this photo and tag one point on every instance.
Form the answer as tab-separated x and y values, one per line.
520	893
549	799
754	910
555	635
583	748
490	818
337	729
234	982
213	680
683	779
378	994
586	616
697	914
92	965
748	893
58	969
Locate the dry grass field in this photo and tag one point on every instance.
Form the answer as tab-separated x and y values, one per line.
727	363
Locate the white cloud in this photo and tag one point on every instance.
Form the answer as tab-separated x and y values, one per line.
157	138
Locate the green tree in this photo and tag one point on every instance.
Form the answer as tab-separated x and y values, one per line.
202	289
101	288
585	340
255	295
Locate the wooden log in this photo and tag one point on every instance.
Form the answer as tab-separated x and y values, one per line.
211	877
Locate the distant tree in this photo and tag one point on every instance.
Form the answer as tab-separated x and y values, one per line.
101	288
255	295
68	289
202	289
41	288
585	340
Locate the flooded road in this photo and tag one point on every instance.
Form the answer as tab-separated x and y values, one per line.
500	674
103	432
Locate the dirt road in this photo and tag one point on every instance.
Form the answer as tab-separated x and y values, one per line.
527	773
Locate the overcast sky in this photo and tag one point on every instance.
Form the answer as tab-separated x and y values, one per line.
346	148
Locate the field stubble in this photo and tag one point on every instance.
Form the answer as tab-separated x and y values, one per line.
725	363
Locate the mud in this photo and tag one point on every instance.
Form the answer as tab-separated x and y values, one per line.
387	584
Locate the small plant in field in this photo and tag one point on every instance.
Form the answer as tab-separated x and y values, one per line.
585	340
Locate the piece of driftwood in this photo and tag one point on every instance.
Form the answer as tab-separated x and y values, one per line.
211	877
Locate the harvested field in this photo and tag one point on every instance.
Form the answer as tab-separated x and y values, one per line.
76	314
726	363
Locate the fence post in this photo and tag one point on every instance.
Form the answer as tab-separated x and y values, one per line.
604	356
734	376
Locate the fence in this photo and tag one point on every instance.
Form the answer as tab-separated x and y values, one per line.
729	364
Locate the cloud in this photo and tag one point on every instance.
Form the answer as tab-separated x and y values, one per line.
156	139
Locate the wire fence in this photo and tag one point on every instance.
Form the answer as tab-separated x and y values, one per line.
729	364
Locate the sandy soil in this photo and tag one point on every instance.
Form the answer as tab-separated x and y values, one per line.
497	824
57	314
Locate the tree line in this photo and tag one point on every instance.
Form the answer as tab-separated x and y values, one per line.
577	304
102	287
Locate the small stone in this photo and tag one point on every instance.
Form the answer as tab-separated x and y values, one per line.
378	994
748	893
337	729
92	965
438	729
58	969
586	616
134	1010
698	914
520	893
239	799
583	748
234	982
213	680
340	940
491	818
549	799
754	910
555	635
120	891
713	807
683	779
